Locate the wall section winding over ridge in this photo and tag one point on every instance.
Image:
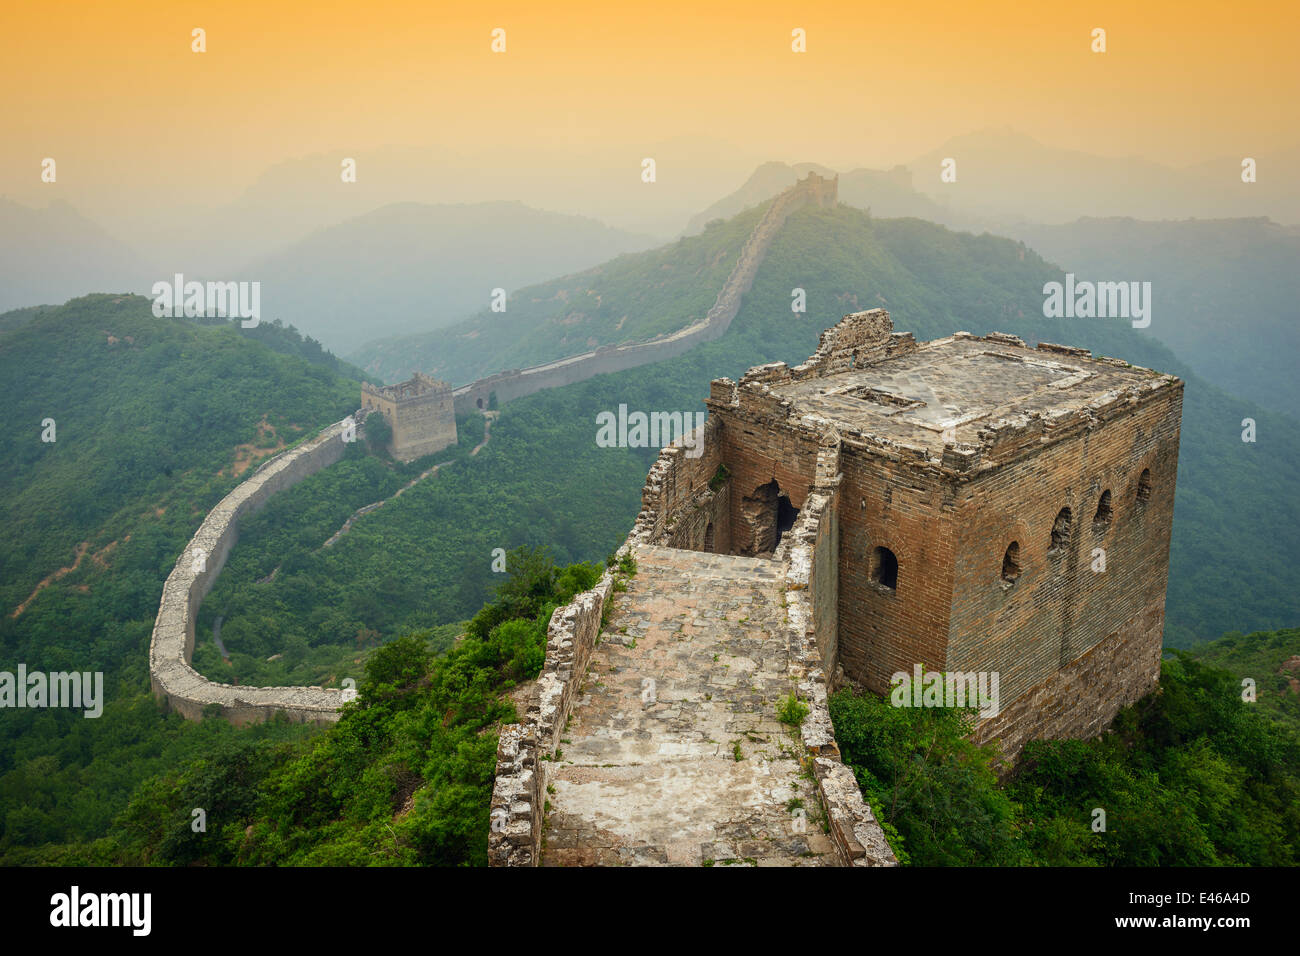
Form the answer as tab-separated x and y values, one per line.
617	358
184	690
178	685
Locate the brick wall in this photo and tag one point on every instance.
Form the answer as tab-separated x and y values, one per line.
908	510
1059	609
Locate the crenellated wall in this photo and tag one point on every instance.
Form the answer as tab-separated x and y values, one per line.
175	683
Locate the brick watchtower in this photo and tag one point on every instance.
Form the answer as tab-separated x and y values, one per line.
420	413
997	508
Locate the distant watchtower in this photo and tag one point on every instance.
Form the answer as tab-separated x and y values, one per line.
821	191
420	413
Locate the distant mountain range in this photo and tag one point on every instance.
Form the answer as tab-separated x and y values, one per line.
410	266
400	268
1225	292
52	254
1003	175
350	266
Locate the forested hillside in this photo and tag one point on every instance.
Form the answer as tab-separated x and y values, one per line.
155	420
543	481
629	299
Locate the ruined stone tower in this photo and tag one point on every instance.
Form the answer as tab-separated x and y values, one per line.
819	190
983	507
418	410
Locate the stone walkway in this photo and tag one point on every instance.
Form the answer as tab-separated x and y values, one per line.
687	676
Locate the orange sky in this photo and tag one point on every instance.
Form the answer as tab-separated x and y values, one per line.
114	93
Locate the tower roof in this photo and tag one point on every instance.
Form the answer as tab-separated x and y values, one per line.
958	400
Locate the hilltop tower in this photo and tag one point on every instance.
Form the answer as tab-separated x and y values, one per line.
980	507
419	411
821	191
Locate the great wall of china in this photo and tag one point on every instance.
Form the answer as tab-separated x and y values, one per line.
178	685
886	504
813	190
183	689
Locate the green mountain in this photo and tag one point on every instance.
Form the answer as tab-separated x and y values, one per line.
154	420
155	417
542	481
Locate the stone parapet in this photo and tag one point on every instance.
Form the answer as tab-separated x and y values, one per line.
515	834
809	554
175	683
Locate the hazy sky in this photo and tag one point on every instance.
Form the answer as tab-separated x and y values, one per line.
114	93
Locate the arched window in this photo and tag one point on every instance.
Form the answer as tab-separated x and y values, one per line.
1144	485
884	568
1101	520
1011	563
1061	532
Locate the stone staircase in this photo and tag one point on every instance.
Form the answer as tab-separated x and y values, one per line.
686	677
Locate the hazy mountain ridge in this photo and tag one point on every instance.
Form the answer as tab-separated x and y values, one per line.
1224	291
53	253
629	299
1004	175
408	266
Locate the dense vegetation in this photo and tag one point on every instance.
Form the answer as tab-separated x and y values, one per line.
404	777
296	612
1188	776
156	419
